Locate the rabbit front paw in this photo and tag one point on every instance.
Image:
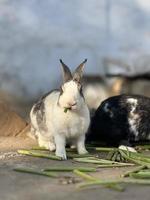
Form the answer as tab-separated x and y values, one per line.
52	146
61	154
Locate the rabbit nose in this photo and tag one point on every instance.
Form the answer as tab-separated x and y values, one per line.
72	104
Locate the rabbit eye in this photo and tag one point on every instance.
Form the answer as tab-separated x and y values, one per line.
79	85
77	82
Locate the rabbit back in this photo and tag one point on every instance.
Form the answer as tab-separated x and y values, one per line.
38	114
122	118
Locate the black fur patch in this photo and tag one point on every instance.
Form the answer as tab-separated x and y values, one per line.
81	92
39	111
80	88
116	128
61	91
38	105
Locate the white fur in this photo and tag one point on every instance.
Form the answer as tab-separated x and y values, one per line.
132	101
70	95
126	148
133	117
63	127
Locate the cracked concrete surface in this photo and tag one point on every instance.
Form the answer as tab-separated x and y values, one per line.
16	186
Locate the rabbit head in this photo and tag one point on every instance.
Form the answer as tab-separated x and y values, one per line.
71	95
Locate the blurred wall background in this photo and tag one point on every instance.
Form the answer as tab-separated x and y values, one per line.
113	34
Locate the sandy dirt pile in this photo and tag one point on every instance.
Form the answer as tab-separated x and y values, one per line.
11	124
13	130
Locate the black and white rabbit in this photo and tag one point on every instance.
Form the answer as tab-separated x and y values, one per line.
122	120
52	125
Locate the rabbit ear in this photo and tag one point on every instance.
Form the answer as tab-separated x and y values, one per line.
66	72
79	71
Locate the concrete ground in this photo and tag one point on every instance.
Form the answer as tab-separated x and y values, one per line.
16	186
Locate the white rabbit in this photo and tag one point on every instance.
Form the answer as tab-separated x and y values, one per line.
54	127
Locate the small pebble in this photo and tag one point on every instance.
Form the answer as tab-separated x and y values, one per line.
9	155
66	180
